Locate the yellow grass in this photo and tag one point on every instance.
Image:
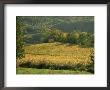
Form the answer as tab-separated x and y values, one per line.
56	53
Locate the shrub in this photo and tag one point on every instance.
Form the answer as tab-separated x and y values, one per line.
91	65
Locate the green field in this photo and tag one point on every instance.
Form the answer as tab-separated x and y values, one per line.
54	58
47	71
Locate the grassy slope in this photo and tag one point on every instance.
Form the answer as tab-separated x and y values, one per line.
54	53
57	49
47	71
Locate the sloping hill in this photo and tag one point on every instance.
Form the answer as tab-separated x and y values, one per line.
37	28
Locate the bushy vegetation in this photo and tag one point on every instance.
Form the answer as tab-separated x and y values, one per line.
76	37
74	30
19	38
91	65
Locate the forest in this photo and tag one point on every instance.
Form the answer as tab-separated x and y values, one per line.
54	43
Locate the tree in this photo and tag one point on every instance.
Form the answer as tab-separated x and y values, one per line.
19	38
86	39
91	65
73	37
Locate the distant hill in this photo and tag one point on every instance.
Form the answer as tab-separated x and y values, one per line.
38	28
64	23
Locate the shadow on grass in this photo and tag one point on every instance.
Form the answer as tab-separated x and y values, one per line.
43	65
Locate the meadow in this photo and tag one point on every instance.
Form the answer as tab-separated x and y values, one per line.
48	71
55	58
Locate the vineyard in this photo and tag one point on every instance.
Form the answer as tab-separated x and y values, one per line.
56	56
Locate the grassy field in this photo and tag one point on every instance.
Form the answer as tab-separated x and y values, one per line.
47	71
51	56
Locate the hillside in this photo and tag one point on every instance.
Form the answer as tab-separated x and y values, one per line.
54	44
64	23
56	56
38	28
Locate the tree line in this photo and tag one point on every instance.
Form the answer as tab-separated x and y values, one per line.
75	37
